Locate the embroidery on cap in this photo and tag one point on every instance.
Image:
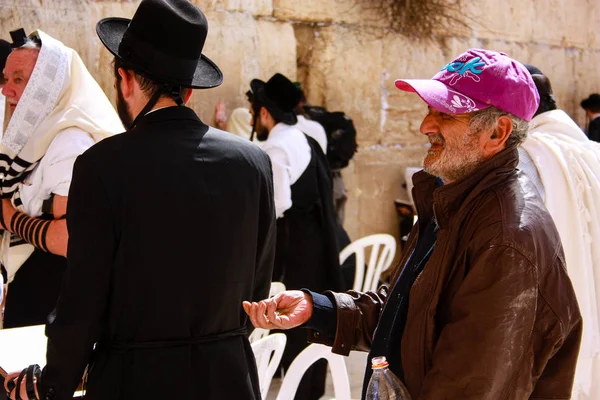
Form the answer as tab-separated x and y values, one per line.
468	69
461	101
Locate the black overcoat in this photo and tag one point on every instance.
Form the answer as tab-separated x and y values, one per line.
171	226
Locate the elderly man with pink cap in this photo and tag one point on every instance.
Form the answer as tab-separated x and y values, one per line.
480	306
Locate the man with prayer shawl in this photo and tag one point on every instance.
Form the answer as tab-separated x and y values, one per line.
565	168
57	111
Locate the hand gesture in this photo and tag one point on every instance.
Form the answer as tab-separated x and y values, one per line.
286	310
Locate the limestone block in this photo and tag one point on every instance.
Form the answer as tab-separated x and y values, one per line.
402	111
558	65
70	21
305	10
594	23
244	49
346	75
553	24
374	180
103	69
253	7
585	80
360	12
510	20
276	49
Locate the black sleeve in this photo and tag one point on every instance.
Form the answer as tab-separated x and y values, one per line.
76	323
594	130
324	316
267	235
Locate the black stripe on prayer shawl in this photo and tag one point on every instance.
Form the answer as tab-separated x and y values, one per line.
5	158
10	181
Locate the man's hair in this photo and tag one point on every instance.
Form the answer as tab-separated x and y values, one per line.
547	101
544	88
30	44
147	85
487	120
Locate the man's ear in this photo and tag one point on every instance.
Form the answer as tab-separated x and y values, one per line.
498	137
127	82
187	95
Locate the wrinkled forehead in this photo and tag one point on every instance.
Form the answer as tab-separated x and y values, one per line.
21	61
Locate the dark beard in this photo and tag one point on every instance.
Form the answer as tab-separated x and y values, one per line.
123	109
262	133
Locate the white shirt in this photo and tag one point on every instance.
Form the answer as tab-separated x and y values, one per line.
54	172
290	154
313	129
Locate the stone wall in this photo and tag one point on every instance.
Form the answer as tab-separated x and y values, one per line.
348	59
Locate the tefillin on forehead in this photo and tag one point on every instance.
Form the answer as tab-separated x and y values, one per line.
19	38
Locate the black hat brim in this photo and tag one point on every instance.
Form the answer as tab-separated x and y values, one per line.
258	91
111	31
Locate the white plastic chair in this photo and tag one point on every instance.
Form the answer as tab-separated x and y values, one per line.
259	333
308	356
268	352
382	255
276	288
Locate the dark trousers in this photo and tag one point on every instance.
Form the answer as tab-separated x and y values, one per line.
33	293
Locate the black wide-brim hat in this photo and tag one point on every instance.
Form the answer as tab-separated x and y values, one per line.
163	41
278	95
593	101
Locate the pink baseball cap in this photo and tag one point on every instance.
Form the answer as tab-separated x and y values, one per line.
476	80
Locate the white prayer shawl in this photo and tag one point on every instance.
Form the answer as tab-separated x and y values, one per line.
569	167
60	94
240	122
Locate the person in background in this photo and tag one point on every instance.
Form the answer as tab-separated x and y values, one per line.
5	49
481	306
307	126
564	166
239	122
172	225
591	105
46	82
307	252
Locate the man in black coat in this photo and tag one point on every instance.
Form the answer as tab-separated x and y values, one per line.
591	105
172	226
307	254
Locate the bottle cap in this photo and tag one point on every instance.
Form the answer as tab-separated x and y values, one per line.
379	362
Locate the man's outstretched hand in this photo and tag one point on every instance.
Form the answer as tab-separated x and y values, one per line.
286	310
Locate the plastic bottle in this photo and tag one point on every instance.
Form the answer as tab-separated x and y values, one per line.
384	385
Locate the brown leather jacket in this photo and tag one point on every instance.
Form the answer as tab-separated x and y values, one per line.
493	315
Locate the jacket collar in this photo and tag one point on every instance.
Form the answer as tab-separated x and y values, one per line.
445	201
166	114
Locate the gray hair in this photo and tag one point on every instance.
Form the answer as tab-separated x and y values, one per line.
487	120
30	44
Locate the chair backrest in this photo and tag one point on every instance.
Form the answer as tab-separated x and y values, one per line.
382	255
308	356
259	333
268	352
276	288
